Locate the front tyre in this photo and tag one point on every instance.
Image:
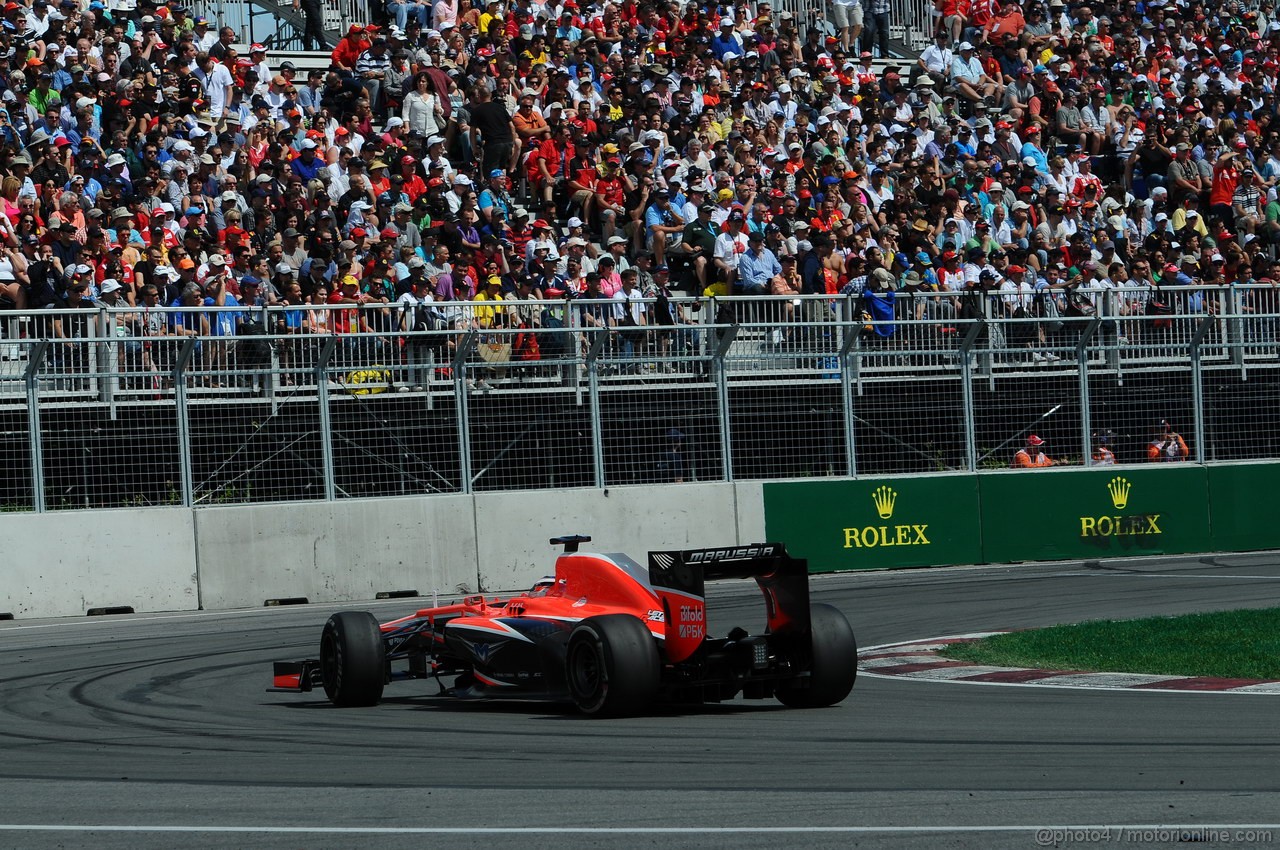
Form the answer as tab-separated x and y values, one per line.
834	665
352	659
612	666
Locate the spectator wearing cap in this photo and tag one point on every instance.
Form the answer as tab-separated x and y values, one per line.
758	270
609	200
662	224
1183	177
349	49
531	128
1031	455
726	45
402	230
371	69
936	59
494	197
970	79
575	254
435	162
731	244
1246	203
1032	154
698	244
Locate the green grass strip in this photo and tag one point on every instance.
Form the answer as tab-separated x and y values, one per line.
1224	644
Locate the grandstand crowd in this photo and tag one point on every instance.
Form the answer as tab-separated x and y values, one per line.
1039	159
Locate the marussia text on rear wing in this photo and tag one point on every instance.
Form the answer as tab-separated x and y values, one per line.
783	580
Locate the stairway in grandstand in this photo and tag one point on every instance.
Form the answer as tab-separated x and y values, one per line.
278	26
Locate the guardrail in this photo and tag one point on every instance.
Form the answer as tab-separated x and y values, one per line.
263	404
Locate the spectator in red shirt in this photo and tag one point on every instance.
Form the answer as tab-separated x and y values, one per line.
350	47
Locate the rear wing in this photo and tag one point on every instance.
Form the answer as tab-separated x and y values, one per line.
680	578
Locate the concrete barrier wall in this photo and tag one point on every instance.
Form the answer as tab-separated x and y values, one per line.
63	564
170	559
335	551
512	528
749	496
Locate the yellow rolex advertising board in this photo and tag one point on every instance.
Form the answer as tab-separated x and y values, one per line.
1031	515
875	523
1043	515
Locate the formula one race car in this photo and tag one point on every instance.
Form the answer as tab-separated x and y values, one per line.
603	632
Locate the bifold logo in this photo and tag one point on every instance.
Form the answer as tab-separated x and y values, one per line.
1137	525
885	500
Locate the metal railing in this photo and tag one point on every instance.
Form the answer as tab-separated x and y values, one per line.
911	22
278	26
103	407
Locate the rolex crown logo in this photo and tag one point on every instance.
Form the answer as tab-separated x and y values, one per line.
885	497
1119	490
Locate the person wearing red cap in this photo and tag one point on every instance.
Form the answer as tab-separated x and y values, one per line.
349	48
1031	455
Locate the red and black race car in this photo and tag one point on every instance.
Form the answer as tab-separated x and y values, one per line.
604	632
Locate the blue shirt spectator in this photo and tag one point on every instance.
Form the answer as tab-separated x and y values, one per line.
726	44
757	267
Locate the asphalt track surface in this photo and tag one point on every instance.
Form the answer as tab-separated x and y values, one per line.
159	727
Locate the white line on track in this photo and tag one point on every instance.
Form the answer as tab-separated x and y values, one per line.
613	830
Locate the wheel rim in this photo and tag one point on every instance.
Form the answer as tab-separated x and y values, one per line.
586	673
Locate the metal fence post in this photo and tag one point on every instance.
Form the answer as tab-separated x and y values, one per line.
183	420
107	363
326	429
1082	368
988	356
725	340
1111	303
966	393
1235	335
462	416
35	359
1197	385
593	404
846	393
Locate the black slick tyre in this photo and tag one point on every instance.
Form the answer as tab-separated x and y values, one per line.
352	659
612	666
834	662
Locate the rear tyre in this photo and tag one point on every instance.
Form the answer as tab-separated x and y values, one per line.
352	659
835	663
612	666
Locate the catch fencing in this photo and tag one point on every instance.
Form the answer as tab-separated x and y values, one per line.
197	406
